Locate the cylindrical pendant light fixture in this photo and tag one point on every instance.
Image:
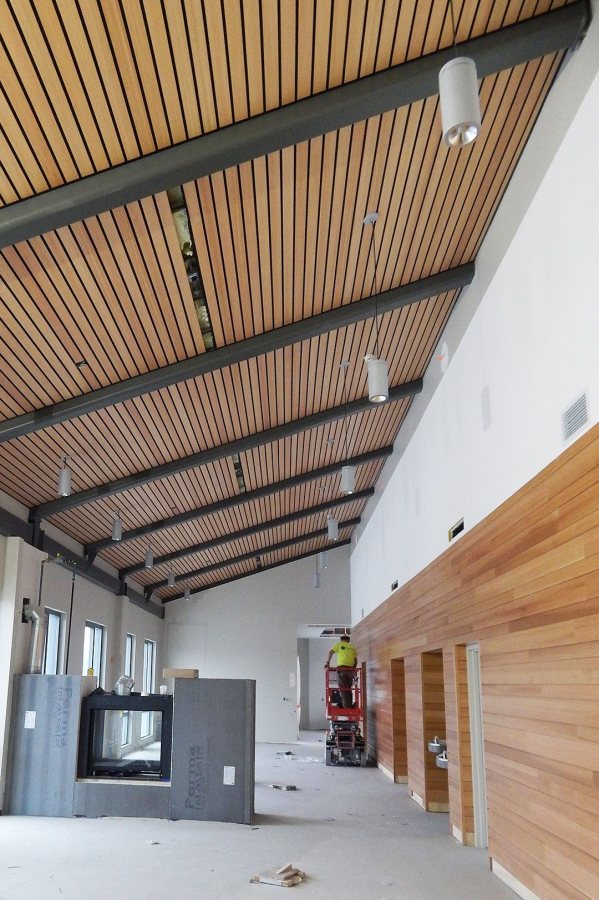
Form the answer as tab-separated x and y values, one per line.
378	379
149	560
316	581
187	594
322	559
348	480
117	527
460	104
171	579
64	478
332	528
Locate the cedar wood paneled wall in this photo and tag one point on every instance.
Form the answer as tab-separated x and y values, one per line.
525	584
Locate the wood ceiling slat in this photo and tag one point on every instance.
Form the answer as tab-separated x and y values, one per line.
287	229
261	211
240	263
270	57
303	260
193	15
170	52
252	277
321	39
255	53
215	35
236	62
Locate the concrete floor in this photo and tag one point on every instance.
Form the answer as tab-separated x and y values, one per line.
353	832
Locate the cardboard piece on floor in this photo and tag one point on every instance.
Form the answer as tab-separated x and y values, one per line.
286	876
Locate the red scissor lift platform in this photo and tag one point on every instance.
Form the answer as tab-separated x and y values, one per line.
345	744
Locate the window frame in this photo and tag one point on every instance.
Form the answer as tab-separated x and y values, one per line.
148	680
99	633
53	614
129	660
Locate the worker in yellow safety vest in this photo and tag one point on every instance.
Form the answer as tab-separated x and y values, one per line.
346	663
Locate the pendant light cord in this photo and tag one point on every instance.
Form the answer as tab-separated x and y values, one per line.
376	295
345	416
453	31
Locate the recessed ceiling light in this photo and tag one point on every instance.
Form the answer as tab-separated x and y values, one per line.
81	364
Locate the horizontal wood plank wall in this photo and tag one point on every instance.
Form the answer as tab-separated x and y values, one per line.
533	562
400	736
434	725
541	723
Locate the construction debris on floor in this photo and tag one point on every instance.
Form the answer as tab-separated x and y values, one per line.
287	876
283	787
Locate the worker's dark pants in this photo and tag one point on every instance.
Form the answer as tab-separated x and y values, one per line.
345	677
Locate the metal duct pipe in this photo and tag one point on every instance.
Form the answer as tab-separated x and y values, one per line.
37	642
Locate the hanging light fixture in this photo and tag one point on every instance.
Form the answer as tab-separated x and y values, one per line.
348	480
171	579
458	95
348	473
187	594
332	528
64	478
149	560
378	374
117	527
322	559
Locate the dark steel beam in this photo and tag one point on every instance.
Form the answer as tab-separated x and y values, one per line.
287	125
244	533
215	453
276	565
230	502
252	554
259	345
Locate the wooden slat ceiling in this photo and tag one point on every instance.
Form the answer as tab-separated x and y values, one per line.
88	86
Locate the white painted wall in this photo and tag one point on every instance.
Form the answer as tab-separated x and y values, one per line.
531	344
95	604
249	629
18	579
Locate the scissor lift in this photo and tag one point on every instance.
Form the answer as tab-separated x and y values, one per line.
345	745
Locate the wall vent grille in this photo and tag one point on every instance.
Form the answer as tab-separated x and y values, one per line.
456	529
575	417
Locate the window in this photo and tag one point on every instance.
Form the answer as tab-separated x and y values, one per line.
93	650
129	669
148	684
52	652
129	655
